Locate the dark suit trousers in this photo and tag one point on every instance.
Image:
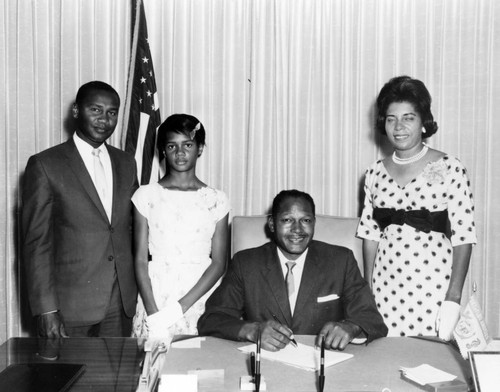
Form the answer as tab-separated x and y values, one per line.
115	322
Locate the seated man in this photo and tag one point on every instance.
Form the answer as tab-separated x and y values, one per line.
321	293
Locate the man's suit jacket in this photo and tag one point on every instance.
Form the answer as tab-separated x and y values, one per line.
254	289
71	251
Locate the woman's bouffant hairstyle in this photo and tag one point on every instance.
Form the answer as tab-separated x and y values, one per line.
406	89
180	123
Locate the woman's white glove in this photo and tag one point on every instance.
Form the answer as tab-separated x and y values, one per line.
161	321
447	319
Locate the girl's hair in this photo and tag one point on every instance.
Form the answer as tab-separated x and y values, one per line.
180	123
406	89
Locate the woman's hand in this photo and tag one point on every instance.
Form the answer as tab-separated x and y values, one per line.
447	319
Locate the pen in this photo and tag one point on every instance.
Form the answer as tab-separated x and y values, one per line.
292	339
257	365
252	364
322	365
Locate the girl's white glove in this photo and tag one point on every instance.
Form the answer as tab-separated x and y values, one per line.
161	321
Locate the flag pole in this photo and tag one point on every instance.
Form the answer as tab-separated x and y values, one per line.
130	81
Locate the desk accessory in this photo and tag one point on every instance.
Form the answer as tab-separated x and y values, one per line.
247	383
304	356
428	378
151	367
485	367
257	364
252	364
294	342
322	365
47	377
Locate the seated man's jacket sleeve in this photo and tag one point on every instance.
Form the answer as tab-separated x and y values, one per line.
225	307
359	303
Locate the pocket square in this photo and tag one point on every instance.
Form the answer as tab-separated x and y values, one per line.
327	298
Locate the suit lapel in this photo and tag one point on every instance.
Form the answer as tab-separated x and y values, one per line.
273	275
77	165
308	283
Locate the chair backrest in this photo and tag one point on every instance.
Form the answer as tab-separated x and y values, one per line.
252	231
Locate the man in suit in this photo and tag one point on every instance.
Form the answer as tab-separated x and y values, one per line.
293	285
76	226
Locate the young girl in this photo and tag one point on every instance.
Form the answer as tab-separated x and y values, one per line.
183	224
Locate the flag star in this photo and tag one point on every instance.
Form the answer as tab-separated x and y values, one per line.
150	73
153	107
143	80
140	100
145	59
148	93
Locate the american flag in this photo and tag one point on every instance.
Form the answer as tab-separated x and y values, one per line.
142	114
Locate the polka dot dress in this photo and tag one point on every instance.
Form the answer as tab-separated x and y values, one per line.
412	268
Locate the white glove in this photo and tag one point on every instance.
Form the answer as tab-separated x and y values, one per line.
161	321
447	319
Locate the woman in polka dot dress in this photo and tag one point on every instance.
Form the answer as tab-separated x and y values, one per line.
417	223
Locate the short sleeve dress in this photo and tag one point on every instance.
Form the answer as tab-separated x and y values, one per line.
412	268
181	226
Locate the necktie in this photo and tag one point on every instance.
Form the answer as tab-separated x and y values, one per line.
99	176
290	283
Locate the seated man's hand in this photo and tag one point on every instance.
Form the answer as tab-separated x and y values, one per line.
274	336
338	334
51	325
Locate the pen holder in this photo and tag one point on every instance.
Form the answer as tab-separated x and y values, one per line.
247	383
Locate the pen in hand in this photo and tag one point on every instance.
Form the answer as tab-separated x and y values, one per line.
322	365
292	339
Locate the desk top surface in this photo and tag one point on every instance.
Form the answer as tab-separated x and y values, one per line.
372	368
114	363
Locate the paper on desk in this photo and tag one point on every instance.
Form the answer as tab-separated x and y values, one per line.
302	356
188	343
426	374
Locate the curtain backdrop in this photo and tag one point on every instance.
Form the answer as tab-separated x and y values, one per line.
284	88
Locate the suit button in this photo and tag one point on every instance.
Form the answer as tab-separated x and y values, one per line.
111	229
111	258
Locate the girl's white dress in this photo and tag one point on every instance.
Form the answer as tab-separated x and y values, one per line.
181	226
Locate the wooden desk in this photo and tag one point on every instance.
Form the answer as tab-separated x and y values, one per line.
373	367
113	364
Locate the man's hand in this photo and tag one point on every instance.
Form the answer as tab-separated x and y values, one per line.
274	336
338	334
51	325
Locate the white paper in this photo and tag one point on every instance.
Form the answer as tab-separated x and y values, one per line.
188	343
178	382
426	374
302	356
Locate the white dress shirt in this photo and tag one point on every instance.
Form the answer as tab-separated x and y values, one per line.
85	151
297	273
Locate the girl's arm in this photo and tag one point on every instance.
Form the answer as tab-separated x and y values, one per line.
369	254
214	270
460	266
141	262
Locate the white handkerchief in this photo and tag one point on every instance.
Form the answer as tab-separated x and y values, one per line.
327	298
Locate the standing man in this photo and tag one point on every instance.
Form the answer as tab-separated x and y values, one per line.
76	226
293	285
